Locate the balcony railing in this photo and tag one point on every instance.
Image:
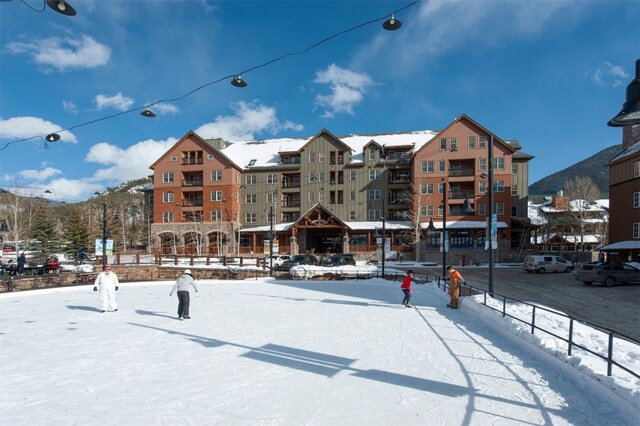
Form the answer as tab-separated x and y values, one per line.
192	182
290	203
461	194
461	172
291	184
191	161
193	203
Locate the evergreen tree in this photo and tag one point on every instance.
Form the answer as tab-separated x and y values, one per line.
43	233
76	233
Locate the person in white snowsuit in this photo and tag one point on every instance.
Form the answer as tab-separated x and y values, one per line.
107	283
182	284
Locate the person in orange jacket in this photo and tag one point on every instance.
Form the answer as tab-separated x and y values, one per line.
454	286
406	288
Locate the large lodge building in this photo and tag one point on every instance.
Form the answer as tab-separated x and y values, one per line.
332	194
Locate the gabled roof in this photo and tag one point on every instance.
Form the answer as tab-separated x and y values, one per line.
206	147
465	117
330	135
322	217
634	149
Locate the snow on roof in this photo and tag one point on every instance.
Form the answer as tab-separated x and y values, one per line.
265	152
621	245
633	149
355	226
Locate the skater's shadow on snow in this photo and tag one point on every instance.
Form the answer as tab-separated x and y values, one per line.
154	314
83	308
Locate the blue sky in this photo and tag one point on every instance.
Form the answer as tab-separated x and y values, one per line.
547	73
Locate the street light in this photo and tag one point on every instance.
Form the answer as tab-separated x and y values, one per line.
466	210
104	232
492	231
630	113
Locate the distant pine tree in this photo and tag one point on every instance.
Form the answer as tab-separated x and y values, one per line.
75	231
44	238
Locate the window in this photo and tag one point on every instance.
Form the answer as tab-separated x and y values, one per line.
499	208
426	188
321	157
216	195
514	189
174	158
250	179
252	162
210	157
514	211
167	197
312	157
352	215
250	199
441	166
374	215
426	210
321	176
352	175
321	197
216	215
636	200
482	164
498	163
454	144
312	177
426	167
636	230
372	154
441	188
352	195
167	217
216	175
272	197
167	177
514	169
375	194
440	210
482	142
251	218
443	144
471	142
482	187
374	174
311	197
498	186
482	209
272	179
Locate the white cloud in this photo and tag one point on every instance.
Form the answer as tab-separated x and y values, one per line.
347	89
122	164
428	33
608	74
118	101
39	175
249	120
64	53
70	107
72	189
27	127
165	109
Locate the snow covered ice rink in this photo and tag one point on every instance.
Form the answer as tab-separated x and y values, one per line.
278	352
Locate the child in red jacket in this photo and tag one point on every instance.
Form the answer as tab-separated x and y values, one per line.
406	288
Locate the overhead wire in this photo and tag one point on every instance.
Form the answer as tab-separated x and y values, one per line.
248	70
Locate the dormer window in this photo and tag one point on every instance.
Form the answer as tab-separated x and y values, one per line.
252	162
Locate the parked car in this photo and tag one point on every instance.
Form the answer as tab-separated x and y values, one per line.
299	259
546	263
609	273
342	259
277	260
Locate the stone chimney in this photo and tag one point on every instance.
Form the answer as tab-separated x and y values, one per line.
630	135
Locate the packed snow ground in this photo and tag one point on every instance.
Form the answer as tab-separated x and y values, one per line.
278	352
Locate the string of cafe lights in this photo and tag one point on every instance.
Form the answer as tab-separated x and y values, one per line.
390	24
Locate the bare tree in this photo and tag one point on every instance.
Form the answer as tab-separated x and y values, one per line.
582	193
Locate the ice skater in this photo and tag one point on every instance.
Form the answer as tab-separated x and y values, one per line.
182	284
406	288
107	283
454	287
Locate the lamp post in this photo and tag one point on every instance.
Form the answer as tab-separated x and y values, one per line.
104	232
491	226
445	239
384	239
270	241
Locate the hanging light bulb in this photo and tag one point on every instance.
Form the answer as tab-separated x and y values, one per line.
53	137
147	113
62	7
392	24
238	81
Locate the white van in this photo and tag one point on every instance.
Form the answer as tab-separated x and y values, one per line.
546	263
